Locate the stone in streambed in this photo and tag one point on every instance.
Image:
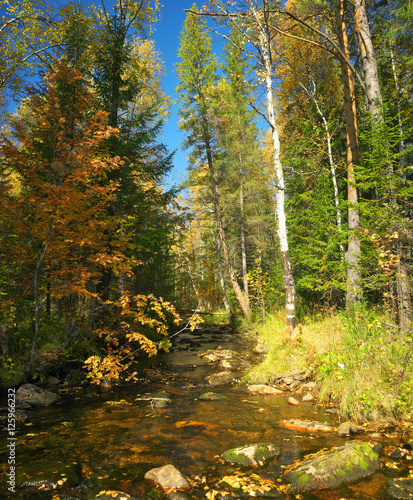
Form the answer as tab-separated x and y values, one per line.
307	397
168	477
252	455
400	489
348	428
346	464
211	396
292	401
220	378
305	426
35	396
264	389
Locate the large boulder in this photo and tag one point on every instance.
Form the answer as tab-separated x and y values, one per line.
252	455
330	470
35	396
168	477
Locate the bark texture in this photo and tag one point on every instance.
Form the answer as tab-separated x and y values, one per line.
354	284
264	40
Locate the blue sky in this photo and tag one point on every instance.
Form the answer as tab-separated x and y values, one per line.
166	37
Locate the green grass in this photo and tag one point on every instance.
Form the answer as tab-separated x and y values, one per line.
361	363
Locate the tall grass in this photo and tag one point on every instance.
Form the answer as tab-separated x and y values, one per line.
362	362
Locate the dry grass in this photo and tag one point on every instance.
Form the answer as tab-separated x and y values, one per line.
355	359
292	353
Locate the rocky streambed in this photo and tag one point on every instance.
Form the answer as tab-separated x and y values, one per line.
191	427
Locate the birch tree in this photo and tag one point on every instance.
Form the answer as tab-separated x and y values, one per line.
253	20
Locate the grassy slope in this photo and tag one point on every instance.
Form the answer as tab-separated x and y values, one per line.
361	363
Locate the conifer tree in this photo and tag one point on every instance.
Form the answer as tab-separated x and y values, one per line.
197	75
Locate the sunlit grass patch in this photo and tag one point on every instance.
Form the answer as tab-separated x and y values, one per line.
362	363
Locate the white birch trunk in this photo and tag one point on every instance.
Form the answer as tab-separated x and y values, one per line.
278	173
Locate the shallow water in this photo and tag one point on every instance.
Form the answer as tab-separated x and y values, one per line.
110	439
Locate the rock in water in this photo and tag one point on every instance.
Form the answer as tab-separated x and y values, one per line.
220	378
264	389
113	495
292	401
351	462
211	396
401	489
168	477
252	455
347	428
35	395
306	426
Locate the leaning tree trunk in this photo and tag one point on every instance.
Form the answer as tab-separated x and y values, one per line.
221	233
354	284
279	178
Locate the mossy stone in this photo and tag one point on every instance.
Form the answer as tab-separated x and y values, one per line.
351	462
252	455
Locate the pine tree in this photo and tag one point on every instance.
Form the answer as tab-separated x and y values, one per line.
197	74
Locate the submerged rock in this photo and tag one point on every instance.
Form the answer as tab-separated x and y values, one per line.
168	477
293	401
212	396
160	400
214	355
220	378
264	389
305	426
330	470
35	396
113	495
348	428
400	489
252	455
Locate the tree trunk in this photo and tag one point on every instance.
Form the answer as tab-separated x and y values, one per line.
242	235
354	285
221	278
220	230
36	292
369	60
404	305
279	177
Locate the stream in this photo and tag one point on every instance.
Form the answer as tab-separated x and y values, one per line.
98	439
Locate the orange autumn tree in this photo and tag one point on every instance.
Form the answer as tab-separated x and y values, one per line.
55	224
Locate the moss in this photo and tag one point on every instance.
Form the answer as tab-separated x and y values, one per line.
303	479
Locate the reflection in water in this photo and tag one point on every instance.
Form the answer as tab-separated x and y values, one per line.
111	439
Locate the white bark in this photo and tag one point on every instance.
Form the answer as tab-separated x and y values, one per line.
278	170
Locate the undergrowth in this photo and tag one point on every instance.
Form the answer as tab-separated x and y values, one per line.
361	361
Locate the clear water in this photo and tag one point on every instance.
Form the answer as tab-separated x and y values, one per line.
110	439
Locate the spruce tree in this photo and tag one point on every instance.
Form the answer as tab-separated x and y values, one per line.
197	72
